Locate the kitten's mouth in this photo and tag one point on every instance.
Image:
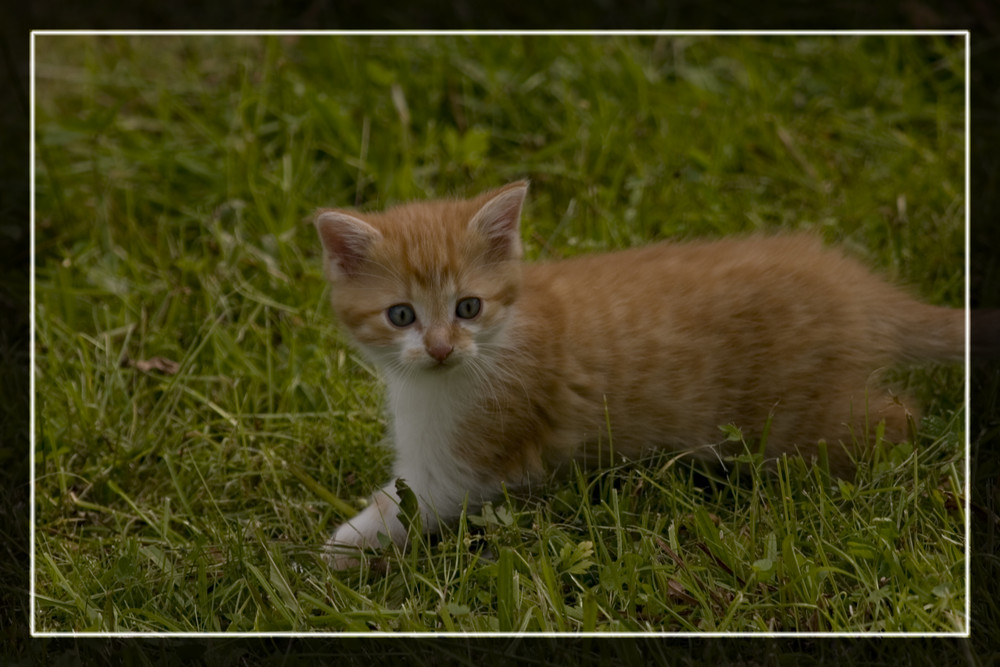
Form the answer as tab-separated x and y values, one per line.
443	366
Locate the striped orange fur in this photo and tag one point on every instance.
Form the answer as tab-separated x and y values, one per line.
665	342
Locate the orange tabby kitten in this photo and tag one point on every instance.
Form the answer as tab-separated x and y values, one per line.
499	371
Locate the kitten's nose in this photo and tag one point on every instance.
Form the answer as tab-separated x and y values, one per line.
438	343
440	351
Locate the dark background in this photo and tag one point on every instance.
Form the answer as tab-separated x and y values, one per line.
981	17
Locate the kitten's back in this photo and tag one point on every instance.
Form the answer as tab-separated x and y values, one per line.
671	340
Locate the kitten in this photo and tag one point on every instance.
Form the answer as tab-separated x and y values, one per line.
499	371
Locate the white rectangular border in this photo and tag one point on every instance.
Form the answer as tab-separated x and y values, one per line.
596	33
31	340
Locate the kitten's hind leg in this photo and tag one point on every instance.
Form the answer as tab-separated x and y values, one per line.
897	413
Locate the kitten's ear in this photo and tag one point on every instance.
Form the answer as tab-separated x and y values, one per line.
347	242
498	221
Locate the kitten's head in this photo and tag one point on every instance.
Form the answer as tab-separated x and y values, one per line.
425	286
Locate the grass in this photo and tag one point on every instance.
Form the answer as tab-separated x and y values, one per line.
175	177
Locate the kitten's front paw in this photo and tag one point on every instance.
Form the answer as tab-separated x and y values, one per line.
343	549
345	546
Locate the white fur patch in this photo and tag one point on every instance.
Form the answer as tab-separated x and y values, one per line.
426	408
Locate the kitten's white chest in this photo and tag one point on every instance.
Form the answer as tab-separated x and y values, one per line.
427	410
426	415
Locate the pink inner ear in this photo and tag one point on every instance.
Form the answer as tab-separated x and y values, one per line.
346	240
499	222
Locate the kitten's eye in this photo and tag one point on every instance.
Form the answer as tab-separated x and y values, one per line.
401	315
468	308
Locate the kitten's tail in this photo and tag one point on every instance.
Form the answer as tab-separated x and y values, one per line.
931	333
936	333
986	333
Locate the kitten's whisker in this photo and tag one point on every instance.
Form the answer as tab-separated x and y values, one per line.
485	380
501	351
